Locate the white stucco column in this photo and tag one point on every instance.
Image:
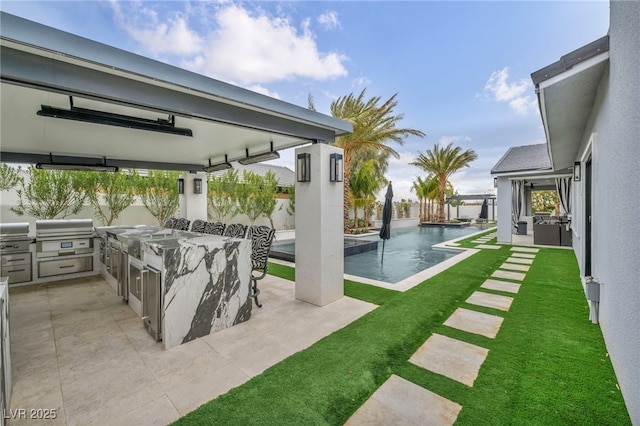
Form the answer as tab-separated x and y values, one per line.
193	206
319	231
503	216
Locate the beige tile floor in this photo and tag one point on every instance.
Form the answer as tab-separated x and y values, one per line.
77	348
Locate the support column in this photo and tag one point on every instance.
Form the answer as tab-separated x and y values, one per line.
505	227
319	231
193	206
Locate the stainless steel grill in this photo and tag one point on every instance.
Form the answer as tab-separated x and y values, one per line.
64	246
15	257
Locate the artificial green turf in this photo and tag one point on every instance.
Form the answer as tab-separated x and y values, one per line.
548	364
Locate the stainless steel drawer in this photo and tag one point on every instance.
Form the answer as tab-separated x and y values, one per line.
17	273
64	266
15	259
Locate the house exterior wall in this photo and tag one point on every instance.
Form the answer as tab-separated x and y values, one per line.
612	138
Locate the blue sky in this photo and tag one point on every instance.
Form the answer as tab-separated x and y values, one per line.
461	69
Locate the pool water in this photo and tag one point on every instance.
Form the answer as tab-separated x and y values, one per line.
408	252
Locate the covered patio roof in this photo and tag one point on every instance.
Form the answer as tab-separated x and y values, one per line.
152	115
566	92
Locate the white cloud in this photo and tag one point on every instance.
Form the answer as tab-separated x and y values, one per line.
256	48
329	20
263	90
503	91
360	81
446	140
248	47
170	37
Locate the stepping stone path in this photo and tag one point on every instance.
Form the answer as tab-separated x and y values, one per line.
501	286
399	401
518	276
514	267
452	358
475	322
490	300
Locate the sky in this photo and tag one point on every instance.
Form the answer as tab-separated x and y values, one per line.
461	70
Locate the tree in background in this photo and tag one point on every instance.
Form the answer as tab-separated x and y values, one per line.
108	193
222	193
49	194
256	195
291	206
9	177
443	162
374	125
159	193
365	181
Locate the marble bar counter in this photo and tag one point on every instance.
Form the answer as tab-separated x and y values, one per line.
204	284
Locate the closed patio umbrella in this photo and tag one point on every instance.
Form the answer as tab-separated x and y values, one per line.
385	230
484	210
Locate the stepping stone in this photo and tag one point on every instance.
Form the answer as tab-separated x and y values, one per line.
452	358
485	246
520	260
525	249
518	276
523	255
475	322
514	267
501	286
490	300
400	402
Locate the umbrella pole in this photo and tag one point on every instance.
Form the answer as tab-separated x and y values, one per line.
381	260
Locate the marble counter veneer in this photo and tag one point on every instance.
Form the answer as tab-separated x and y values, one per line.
205	284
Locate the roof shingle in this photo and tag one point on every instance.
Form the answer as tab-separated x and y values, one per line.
523	158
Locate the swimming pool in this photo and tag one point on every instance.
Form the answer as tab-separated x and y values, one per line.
408	252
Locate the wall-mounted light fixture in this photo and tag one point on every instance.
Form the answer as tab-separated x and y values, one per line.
495	182
336	169
180	186
197	186
577	171
303	167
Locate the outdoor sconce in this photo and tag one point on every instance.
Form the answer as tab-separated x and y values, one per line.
495	182
197	186
577	171
303	167
180	186
335	168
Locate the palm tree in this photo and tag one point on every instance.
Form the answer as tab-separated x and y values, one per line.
443	162
374	125
365	181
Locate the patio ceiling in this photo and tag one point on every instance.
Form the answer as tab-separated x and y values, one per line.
41	66
566	93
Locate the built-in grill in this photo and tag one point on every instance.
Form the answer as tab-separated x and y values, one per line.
64	246
15	257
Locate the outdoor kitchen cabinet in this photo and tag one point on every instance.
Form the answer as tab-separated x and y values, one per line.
5	350
202	285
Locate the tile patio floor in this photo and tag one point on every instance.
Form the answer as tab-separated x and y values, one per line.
78	348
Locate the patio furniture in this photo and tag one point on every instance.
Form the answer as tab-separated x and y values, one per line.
235	230
214	228
182	224
170	223
198	225
261	240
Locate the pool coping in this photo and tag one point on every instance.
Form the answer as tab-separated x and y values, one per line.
414	280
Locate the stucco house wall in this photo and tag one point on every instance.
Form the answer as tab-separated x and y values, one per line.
616	182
